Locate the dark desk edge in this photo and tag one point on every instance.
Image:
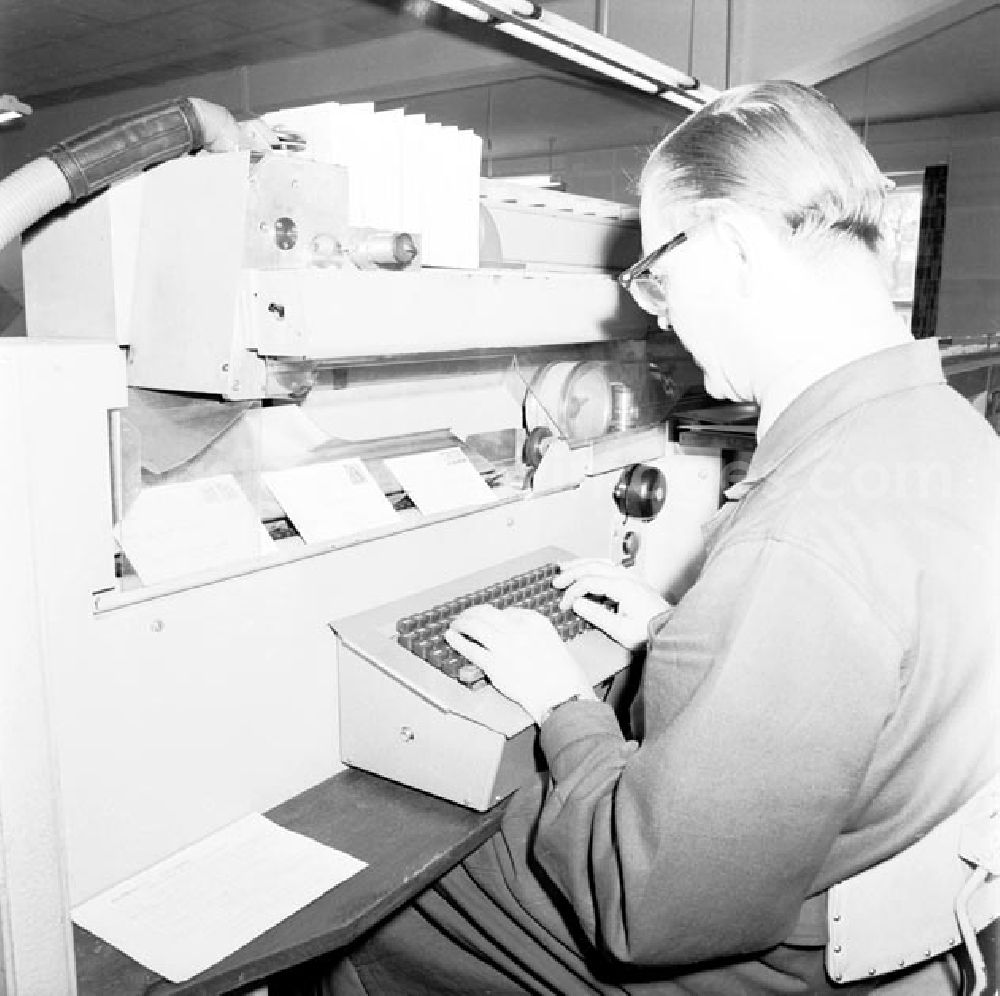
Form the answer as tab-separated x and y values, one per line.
409	840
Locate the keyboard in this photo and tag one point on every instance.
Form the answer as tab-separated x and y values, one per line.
413	711
422	633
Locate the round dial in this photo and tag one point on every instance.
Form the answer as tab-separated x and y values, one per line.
572	398
640	491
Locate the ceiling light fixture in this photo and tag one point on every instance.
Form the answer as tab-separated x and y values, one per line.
580	58
543	181
522	8
530	22
468	9
11	109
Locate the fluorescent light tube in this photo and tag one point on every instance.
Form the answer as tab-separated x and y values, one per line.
574	55
683	100
569	40
468	9
544	181
602	46
11	109
520	8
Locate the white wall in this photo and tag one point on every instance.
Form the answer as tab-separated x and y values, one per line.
404	64
612	173
806	39
767	36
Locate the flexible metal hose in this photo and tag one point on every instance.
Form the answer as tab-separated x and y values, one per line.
29	194
95	158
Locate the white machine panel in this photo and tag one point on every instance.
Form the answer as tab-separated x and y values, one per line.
248	330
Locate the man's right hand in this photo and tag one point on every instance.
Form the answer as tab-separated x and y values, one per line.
637	602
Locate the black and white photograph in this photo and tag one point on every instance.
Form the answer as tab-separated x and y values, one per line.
500	497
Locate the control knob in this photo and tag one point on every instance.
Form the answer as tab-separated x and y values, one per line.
640	491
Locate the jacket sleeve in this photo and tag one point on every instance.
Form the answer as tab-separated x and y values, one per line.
764	694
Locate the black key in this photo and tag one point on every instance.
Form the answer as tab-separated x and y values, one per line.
438	657
453	663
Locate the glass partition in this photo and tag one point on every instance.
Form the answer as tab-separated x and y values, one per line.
367	449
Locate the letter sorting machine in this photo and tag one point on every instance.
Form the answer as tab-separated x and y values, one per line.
263	455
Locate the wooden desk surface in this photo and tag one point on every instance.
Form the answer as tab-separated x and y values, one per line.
408	839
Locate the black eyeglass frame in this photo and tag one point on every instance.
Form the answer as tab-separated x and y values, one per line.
643	267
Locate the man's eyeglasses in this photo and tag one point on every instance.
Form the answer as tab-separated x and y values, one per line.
645	286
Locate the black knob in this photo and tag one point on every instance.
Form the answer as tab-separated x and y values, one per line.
537	442
630	547
640	491
404	249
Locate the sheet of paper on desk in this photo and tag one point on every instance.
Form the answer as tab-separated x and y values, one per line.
440	480
176	529
329	500
190	911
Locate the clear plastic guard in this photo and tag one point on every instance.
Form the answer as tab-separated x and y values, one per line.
361	418
583	399
358	418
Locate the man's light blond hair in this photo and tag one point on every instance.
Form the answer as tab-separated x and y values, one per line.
777	148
